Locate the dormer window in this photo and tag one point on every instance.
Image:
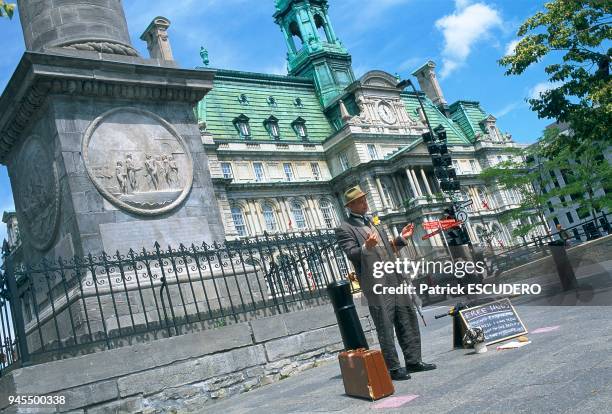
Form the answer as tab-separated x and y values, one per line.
242	125
299	126
243	99
298	102
271	125
272	101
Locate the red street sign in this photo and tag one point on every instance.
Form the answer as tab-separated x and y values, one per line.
444	224
439	225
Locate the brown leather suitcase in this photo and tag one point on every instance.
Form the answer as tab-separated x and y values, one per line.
365	374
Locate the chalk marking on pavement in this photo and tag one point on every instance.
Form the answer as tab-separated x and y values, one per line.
395	402
545	329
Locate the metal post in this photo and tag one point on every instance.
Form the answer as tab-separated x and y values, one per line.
18	322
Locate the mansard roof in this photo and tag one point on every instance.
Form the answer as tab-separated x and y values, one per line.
468	115
222	105
454	133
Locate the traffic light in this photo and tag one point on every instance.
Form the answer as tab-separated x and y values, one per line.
441	159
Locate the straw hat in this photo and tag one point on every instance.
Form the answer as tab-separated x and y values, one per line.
353	194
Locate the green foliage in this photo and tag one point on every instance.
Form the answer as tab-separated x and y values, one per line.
585	172
7	9
576	34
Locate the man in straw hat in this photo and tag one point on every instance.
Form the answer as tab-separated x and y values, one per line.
365	244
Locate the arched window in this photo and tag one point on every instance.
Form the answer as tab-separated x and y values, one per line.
328	213
321	28
239	222
269	217
297	211
296	36
485	203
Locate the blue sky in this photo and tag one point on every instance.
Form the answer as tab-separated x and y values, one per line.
464	37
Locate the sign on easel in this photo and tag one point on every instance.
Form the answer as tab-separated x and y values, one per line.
498	320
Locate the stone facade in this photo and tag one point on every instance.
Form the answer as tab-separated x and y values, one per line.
187	372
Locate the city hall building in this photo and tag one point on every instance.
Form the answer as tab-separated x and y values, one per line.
283	149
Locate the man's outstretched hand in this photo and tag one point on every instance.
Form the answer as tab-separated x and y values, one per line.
371	241
408	230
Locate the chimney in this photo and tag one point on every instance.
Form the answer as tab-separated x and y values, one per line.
156	37
426	75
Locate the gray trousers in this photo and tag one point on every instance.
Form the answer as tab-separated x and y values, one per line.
402	317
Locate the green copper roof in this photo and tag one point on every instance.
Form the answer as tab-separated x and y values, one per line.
222	106
468	114
453	132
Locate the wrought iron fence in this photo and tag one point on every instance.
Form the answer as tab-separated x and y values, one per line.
101	302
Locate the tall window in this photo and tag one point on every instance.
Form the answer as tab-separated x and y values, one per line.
271	125
316	170
269	218
242	125
344	163
372	151
299	126
473	166
226	169
288	171
239	223
328	213
298	215
258	169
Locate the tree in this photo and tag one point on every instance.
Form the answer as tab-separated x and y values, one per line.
529	180
576	32
7	9
531	172
586	172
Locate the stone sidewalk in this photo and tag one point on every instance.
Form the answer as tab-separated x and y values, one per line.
566	370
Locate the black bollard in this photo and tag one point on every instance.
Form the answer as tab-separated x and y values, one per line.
564	267
339	293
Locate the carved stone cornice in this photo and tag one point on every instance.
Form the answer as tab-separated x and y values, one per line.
41	75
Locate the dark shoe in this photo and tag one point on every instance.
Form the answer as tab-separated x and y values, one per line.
420	366
399	374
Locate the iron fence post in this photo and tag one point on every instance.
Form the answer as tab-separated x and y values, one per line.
18	322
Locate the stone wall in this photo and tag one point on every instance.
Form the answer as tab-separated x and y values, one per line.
186	372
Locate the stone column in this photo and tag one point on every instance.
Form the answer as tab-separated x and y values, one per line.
477	202
383	199
427	187
398	190
289	217
310	212
317	213
253	215
416	183
411	181
259	215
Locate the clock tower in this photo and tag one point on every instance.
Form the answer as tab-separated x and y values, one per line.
313	49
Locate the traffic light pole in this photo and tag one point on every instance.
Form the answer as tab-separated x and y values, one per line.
450	183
